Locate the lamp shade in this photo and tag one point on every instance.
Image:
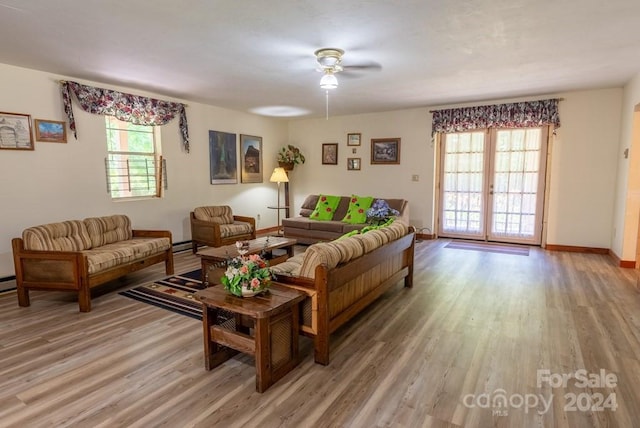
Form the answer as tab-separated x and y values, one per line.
279	176
329	81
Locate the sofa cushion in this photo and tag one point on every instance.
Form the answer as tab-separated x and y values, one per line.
114	254
325	208
357	211
341	209
290	267
299	222
235	229
317	254
217	214
329	226
71	235
309	205
369	241
349	249
108	229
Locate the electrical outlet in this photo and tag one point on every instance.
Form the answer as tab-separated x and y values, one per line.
258	217
415	177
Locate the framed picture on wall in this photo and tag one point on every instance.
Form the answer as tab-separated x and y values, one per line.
50	131
15	131
250	159
353	139
385	151
330	154
353	164
223	158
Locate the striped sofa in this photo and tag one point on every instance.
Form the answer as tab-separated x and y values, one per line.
77	255
342	277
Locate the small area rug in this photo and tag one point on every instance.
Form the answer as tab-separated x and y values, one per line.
174	293
489	247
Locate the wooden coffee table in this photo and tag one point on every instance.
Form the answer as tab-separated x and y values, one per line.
214	258
271	336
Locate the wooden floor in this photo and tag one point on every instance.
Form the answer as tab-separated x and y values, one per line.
465	347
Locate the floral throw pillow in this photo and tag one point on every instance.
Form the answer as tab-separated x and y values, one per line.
325	208
357	211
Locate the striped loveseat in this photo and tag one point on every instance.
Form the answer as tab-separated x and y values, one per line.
342	277
76	255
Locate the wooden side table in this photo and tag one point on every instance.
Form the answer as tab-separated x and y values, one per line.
271	336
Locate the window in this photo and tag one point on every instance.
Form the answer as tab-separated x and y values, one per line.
134	164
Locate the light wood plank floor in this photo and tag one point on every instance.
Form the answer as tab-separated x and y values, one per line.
475	323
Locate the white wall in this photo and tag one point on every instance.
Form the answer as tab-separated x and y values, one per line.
67	181
627	191
583	168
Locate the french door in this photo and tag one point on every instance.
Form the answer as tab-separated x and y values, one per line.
492	185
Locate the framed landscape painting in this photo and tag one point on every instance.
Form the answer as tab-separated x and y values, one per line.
385	151
50	131
251	158
15	131
223	158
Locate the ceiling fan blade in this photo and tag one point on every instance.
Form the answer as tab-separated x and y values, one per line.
371	65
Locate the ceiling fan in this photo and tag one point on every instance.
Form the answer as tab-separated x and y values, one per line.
329	63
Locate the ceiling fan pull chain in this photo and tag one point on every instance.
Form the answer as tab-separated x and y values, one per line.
326	94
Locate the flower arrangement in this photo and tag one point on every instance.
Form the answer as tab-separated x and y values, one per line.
380	212
246	275
290	154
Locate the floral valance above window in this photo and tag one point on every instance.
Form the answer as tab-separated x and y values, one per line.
513	115
129	108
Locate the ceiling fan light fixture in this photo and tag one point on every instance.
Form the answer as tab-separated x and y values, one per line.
329	81
329	58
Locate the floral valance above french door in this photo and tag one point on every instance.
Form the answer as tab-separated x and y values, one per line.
129	108
513	115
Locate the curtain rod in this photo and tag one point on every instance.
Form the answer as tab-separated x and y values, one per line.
433	111
186	105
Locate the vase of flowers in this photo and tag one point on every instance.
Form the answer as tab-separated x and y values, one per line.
289	156
246	276
380	212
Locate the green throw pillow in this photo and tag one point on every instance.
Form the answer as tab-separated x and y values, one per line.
325	208
357	212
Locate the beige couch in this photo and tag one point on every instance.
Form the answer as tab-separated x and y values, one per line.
308	231
216	226
342	277
77	255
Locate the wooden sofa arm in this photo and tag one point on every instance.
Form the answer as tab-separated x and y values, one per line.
138	233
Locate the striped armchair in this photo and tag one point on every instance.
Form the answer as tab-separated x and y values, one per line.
216	226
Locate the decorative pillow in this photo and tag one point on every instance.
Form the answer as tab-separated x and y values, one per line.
357	211
325	207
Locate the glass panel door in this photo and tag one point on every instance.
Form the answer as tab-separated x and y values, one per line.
517	186
492	185
463	196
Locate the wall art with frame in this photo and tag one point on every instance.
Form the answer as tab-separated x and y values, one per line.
330	154
50	131
250	159
223	158
15	131
385	151
354	139
353	164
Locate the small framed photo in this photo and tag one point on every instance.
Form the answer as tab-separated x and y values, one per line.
353	164
50	131
251	159
15	131
353	139
385	151
330	154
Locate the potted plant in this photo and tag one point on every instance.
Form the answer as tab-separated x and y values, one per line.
289	156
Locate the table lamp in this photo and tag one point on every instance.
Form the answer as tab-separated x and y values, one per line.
279	176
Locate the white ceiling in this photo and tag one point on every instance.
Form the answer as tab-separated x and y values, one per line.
250	54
